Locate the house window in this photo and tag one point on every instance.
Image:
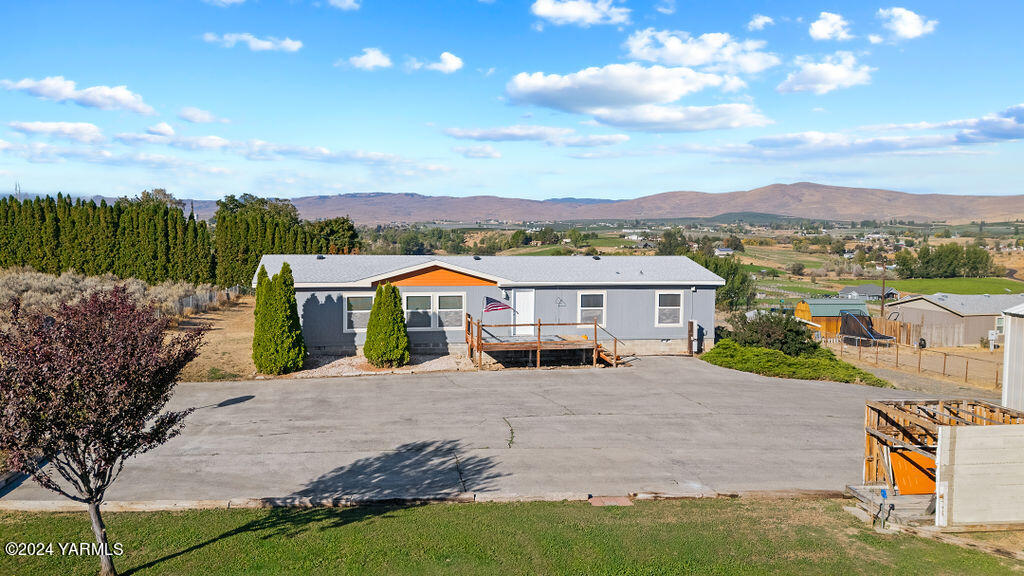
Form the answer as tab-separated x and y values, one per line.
999	324
417	311
450	310
357	312
591	307
434	311
668	309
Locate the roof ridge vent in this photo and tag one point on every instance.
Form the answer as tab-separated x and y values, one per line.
595	257
320	257
477	257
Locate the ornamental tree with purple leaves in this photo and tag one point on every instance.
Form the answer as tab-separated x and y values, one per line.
83	388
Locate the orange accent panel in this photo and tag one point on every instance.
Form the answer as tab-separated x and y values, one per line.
437	276
913	473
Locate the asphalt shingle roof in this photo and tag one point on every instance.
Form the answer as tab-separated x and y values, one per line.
970	304
539	270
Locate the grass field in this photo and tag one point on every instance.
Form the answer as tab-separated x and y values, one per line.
780	257
949	285
709	536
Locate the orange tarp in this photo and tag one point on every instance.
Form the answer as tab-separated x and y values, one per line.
912	473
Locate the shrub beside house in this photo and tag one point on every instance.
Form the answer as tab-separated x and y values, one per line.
277	345
387	340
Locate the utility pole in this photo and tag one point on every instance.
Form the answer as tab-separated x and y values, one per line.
884	274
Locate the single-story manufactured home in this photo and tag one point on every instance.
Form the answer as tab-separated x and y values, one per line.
868	292
651	304
965	318
826	313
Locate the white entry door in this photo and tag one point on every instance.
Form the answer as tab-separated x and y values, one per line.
522	302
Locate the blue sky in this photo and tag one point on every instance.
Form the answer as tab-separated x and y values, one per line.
528	98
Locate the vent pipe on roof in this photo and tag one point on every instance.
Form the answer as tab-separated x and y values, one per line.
596	257
476	258
320	256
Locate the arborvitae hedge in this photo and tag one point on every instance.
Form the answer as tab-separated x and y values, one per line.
278	346
152	239
387	340
149	238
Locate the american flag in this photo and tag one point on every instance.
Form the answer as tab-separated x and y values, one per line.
492	305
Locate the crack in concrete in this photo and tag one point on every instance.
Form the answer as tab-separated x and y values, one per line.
511	432
568	412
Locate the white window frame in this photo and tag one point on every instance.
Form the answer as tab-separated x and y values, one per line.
437	310
430	311
604	308
657	307
344	309
434	311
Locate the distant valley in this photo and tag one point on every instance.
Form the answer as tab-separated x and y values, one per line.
801	200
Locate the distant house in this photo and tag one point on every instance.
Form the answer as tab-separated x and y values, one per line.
645	245
723	252
827	313
968	316
868	292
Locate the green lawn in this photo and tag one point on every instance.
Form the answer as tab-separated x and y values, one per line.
782	258
710	536
949	285
610	242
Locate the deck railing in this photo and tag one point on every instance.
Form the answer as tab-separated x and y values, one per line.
475	329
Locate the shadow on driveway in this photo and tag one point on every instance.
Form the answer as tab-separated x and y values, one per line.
428	470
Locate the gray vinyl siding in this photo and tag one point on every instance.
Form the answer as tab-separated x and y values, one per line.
630	313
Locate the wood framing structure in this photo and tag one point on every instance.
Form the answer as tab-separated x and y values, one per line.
901	438
481	338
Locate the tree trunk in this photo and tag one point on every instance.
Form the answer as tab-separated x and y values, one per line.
100	531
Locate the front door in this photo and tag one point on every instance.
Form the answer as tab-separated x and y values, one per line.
522	302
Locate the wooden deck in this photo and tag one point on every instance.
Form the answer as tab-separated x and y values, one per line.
480	339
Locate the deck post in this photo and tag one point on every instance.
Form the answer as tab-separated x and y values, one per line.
479	344
615	352
538	342
595	342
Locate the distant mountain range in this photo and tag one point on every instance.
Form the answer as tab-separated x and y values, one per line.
801	200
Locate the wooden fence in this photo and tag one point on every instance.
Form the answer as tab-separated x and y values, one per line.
936	335
909	358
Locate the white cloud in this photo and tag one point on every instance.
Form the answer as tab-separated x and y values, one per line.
447	64
345	4
510	133
477	152
370	58
550	135
905	24
839	70
76	131
580	12
58	89
199	116
657	118
636	97
875	39
161	129
614	85
830	26
254	43
759	22
666	6
716	51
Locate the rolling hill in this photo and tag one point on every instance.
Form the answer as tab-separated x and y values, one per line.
802	200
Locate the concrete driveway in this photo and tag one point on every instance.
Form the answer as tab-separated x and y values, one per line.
676	426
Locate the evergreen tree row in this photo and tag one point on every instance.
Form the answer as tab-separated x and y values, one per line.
248	227
149	238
